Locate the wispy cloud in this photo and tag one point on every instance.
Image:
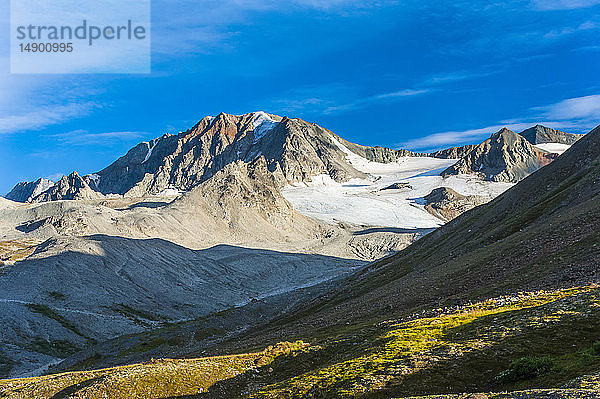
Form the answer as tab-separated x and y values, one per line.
564	4
311	99
579	114
178	28
43	117
376	99
585	109
453	138
83	137
340	98
458	76
566	31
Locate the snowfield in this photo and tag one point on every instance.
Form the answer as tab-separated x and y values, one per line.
555	148
364	202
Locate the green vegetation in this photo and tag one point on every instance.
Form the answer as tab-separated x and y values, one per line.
45	310
457	352
136	314
154	379
56	348
526	368
59	296
596	348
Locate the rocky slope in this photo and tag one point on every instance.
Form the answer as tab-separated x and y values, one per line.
244	200
543	135
27	191
447	204
504	157
241	204
510	243
454	152
108	267
71	187
90	289
4	203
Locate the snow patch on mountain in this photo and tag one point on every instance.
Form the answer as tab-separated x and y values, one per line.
151	146
169	192
364	202
263	124
555	148
95	178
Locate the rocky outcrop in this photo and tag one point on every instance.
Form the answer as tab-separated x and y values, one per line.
398	186
454	152
299	150
447	204
377	153
180	161
72	187
504	157
541	135
27	191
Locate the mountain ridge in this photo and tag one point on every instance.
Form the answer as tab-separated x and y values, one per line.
27	191
295	151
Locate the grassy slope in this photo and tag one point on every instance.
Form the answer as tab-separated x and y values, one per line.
155	379
16	250
396	358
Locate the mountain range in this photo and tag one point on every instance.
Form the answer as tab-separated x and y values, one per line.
315	261
295	151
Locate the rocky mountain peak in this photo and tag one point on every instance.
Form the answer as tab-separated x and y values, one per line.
294	150
539	134
506	156
71	187
27	191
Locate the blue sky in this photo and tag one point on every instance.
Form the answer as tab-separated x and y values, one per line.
415	74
